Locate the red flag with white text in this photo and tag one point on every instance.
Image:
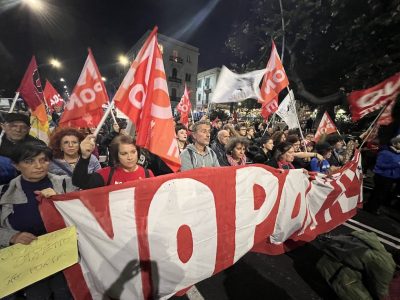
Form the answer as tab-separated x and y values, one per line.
84	108
31	91
326	126
143	97
184	107
268	108
275	79
366	101
52	97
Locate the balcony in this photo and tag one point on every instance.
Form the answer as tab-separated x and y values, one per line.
174	79
176	59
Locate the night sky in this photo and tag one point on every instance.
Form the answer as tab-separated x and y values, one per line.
110	28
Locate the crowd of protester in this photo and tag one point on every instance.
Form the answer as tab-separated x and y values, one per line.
76	159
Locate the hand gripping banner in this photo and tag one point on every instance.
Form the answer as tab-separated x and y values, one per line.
154	237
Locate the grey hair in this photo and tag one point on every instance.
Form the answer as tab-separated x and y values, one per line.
395	140
198	124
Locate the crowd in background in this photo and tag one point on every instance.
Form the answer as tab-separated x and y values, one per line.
76	159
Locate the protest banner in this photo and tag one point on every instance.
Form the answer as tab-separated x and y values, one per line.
22	265
154	237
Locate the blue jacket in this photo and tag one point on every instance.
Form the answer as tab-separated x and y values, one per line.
388	164
7	170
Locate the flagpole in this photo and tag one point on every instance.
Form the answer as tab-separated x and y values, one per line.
191	113
103	119
297	117
14	102
370	128
113	116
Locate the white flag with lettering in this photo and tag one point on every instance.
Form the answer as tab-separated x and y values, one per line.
232	87
286	111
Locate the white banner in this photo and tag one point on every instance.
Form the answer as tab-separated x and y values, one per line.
286	111
232	87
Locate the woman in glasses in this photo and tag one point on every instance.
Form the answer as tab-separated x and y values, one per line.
65	146
20	219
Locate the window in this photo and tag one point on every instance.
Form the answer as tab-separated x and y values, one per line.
188	77
174	53
199	98
188	59
199	82
207	84
174	73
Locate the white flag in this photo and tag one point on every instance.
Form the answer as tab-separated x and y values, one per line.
286	111
232	87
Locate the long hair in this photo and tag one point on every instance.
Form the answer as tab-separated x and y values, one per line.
281	149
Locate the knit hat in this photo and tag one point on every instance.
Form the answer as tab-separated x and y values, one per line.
14	117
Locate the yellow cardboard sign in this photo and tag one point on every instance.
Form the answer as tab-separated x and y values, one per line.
22	265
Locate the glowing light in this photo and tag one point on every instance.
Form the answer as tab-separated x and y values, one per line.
35	5
123	60
55	63
62	79
104	79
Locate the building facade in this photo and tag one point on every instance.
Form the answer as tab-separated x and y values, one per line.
206	83
180	63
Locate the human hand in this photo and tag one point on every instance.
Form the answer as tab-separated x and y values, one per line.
24	238
87	146
46	192
319	157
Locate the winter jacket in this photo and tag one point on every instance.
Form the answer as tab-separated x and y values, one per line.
61	167
388	163
13	194
7	170
219	150
191	159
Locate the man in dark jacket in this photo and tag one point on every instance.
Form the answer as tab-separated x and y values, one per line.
218	145
15	131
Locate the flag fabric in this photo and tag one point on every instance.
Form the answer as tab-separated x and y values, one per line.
84	108
31	91
386	116
40	130
143	97
286	111
275	78
326	126
184	106
268	108
167	233
52	97
366	101
232	87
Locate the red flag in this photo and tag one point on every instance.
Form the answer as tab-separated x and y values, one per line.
326	126
275	79
52	97
386	116
184	107
143	97
365	101
84	108
31	91
268	108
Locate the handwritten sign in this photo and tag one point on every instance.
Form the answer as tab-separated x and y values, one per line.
22	265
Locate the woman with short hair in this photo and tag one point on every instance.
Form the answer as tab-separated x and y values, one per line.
124	155
181	136
283	156
235	151
20	219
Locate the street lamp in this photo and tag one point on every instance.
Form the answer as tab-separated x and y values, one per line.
35	5
123	60
55	63
62	79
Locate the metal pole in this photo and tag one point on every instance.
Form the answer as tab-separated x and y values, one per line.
370	128
14	102
292	102
103	119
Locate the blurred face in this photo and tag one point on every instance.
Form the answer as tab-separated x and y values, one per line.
296	146
128	156
69	145
242	131
339	145
269	145
182	135
15	131
238	151
328	154
202	135
283	138
218	125
288	156
223	137
34	169
310	148
250	132
310	137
